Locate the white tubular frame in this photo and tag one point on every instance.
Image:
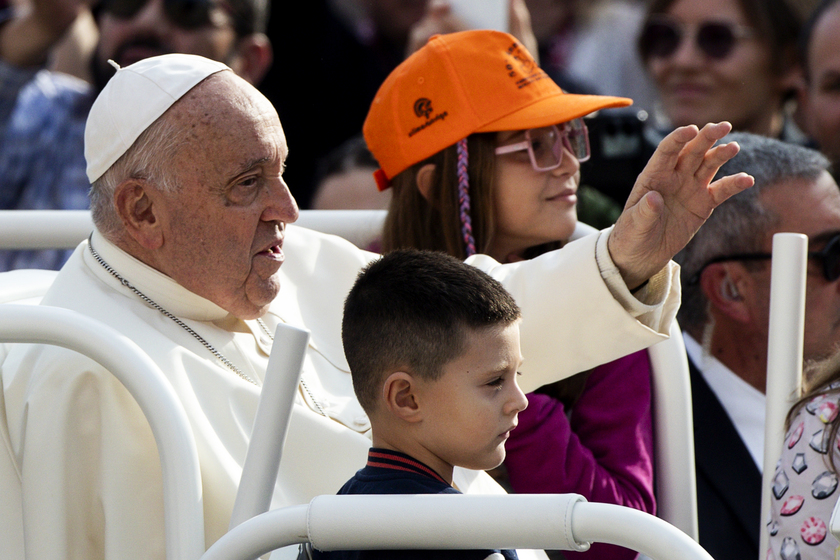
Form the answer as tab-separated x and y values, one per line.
784	356
43	229
64	229
676	477
183	510
440	521
271	424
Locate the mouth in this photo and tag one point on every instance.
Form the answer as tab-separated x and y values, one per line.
688	89
506	434
567	195
138	50
273	251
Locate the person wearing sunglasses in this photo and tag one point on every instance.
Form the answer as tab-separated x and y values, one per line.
482	151
729	60
43	113
819	100
725	273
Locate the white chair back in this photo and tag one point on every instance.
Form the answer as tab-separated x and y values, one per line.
183	510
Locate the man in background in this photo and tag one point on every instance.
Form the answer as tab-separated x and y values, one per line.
725	316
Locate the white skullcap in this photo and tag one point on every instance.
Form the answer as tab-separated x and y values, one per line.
133	99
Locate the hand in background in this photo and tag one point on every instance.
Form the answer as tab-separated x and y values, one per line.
439	18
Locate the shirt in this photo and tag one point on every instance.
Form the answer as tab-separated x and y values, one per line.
744	404
392	472
42	162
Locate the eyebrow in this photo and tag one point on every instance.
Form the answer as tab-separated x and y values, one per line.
250	165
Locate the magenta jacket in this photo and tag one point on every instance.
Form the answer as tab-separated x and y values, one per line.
604	451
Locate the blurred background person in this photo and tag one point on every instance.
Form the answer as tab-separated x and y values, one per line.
345	180
43	112
733	60
820	96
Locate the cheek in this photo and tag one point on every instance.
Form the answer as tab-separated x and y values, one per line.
752	72
826	115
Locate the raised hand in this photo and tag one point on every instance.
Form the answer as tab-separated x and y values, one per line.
672	198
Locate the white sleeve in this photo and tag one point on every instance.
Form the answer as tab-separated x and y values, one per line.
573	318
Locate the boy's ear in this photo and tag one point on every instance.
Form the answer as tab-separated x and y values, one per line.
400	393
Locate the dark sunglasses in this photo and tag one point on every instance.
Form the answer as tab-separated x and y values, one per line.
828	257
662	36
186	14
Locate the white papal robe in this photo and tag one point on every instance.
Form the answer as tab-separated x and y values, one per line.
91	476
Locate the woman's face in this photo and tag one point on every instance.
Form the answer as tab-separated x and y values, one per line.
531	207
696	88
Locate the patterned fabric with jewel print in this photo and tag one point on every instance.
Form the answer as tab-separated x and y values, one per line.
805	483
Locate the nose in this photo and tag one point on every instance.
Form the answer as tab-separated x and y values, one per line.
280	205
687	52
151	16
517	401
569	165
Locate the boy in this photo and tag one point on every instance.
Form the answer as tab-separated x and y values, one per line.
433	348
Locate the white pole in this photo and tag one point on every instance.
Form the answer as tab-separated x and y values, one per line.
784	356
271	424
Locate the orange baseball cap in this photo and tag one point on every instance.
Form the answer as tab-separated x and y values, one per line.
459	84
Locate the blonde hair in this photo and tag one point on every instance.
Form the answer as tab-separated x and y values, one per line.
820	378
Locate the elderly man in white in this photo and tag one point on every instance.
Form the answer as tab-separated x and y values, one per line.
191	214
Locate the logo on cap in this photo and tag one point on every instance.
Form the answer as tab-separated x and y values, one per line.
423	107
522	66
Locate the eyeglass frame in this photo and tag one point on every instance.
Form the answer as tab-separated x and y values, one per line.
833	244
562	141
738	31
239	20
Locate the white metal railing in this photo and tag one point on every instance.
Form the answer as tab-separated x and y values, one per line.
64	229
447	521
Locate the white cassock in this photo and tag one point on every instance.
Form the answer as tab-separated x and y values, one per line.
91	476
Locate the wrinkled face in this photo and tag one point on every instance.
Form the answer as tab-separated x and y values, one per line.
223	229
531	207
150	32
823	92
812	208
741	88
471	409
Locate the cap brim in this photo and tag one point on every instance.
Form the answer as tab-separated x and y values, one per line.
555	109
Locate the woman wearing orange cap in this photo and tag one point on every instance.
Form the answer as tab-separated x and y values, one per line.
483	153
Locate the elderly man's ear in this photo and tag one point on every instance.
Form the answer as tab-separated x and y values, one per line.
729	289
137	204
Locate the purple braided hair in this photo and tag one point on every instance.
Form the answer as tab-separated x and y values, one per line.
464	197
